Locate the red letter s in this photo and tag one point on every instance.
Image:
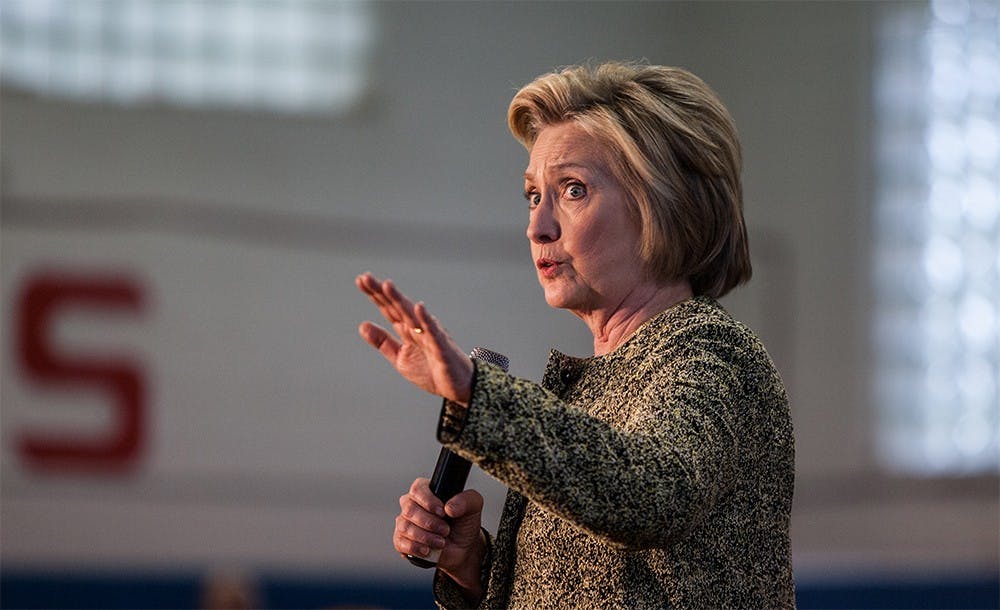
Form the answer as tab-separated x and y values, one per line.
122	379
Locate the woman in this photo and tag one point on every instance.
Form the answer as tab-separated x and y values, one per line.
658	472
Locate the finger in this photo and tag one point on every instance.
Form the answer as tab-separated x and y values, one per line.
421	492
415	514
361	281
369	285
373	288
424	319
409	547
410	531
396	308
400	305
385	305
468	502
393	306
380	339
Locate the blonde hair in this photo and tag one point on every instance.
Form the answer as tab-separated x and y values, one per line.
675	152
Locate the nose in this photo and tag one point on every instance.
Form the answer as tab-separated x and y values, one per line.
542	224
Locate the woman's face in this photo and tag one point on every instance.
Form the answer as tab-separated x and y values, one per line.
584	242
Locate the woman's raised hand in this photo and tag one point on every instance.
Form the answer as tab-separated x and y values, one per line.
422	352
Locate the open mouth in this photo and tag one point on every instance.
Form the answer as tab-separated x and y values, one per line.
547	266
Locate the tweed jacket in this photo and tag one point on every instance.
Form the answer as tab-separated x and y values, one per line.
657	476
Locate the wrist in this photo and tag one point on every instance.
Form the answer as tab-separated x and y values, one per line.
463	394
454	414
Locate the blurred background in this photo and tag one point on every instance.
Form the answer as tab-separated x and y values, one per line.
189	188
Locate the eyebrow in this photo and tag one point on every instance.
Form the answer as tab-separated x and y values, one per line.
559	166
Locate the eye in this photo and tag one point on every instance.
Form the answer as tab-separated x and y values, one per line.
534	198
575	190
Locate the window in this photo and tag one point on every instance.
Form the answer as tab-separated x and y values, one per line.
937	236
282	55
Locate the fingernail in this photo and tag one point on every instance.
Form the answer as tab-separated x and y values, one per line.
440	511
437	542
443	530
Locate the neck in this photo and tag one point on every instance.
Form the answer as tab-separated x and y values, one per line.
614	326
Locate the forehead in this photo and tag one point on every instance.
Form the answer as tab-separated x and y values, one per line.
566	145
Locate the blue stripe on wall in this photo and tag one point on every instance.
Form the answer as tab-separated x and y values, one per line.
28	589
23	589
927	592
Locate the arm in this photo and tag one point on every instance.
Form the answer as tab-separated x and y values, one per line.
644	483
638	485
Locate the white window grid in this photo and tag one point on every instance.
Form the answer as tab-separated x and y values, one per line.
937	237
295	56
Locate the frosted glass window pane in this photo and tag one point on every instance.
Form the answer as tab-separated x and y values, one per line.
937	221
262	54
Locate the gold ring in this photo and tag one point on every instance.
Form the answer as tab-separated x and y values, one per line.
418	330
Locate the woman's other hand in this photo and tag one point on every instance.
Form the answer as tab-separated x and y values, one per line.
425	524
422	352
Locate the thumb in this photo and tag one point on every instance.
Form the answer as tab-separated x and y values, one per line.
467	503
466	512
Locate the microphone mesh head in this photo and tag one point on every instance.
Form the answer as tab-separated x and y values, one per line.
488	355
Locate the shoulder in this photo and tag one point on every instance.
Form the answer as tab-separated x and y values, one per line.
696	341
697	324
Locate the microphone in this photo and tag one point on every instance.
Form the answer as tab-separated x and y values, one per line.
452	470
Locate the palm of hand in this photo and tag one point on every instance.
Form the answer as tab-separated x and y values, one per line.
412	363
438	376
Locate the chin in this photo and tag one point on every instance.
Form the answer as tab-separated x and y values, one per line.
558	299
554	299
554	303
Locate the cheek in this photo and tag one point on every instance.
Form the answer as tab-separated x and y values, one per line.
608	240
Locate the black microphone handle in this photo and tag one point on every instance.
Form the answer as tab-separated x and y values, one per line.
452	470
450	474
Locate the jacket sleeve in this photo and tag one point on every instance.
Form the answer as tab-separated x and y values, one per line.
640	485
